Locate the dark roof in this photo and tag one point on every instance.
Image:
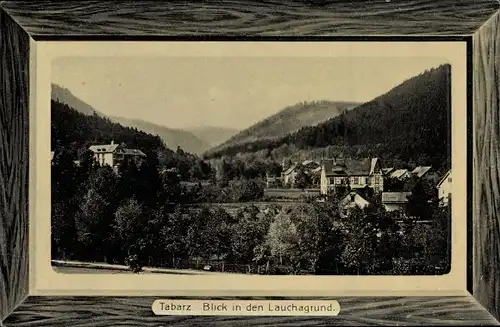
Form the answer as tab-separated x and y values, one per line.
421	170
350	166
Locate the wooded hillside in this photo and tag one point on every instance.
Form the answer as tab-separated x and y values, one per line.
409	123
288	120
73	130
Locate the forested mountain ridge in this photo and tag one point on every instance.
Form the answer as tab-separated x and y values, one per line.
64	95
172	137
74	130
288	120
409	123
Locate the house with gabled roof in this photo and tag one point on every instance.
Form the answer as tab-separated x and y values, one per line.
400	174
353	173
444	188
394	201
352	200
114	154
387	171
427	173
288	176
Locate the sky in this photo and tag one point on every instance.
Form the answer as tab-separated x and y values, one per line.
223	91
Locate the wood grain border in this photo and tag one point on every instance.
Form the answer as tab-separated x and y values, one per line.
14	115
126	20
486	172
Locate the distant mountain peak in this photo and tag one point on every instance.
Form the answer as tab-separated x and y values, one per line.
289	119
172	137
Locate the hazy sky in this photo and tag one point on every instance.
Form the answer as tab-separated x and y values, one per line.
228	92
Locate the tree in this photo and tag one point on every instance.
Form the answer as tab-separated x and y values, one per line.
63	231
95	217
173	234
370	238
419	203
247	235
359	238
282	238
224	173
209	233
90	223
128	181
314	234
245	190
63	176
149	185
171	186
302	180
128	222
65	195
129	230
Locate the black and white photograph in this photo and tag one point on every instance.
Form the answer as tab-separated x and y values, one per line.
251	165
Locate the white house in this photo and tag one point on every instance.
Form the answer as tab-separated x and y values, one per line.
356	174
288	176
114	154
351	201
394	201
444	188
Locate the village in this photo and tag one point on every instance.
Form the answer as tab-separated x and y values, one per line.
362	178
356	180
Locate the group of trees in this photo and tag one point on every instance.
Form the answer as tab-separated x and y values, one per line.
142	214
230	169
238	190
409	122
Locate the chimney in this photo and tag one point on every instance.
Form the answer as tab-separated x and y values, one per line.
112	142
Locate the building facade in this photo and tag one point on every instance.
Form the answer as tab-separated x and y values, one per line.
115	154
444	188
353	174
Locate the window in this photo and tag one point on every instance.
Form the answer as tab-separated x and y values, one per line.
355	180
449	179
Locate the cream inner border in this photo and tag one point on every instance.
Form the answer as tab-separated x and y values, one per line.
44	281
